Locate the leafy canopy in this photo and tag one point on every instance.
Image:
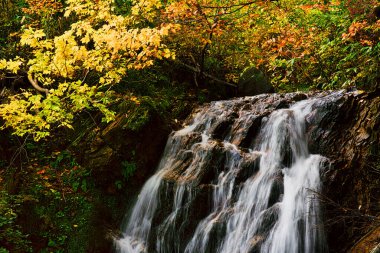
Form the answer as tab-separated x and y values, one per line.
74	52
78	67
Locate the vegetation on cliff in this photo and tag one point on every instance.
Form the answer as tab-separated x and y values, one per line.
70	68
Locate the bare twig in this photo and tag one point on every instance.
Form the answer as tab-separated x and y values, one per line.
345	212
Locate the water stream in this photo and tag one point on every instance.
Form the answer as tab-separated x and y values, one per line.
239	178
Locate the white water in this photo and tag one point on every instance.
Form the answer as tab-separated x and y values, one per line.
273	210
285	126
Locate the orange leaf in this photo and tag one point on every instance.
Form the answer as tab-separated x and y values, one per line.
41	172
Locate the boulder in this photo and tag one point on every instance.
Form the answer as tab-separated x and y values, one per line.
253	82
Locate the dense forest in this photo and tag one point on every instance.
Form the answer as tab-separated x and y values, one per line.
93	84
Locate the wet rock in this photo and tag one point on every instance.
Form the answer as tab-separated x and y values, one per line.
256	243
346	132
249	166
282	105
370	243
343	127
252	132
202	203
268	219
222	129
266	223
277	189
299	96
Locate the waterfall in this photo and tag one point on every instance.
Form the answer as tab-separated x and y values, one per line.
239	178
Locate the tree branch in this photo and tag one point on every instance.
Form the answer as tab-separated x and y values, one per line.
196	70
35	85
229	6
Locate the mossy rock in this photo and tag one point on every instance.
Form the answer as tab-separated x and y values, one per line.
253	82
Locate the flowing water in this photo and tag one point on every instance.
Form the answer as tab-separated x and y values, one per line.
239	178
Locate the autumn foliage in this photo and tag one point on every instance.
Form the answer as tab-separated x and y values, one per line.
75	52
78	67
68	68
44	7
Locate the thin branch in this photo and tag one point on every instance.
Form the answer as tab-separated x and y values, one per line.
35	85
346	212
11	77
228	6
19	151
196	70
85	76
3	91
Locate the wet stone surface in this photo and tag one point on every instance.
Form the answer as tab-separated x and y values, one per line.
228	174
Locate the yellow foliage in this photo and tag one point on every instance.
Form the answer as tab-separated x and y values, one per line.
99	43
146	8
32	37
12	66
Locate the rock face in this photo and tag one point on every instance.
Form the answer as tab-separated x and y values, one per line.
349	135
253	82
342	127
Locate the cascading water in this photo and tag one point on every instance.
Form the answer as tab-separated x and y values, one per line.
238	179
